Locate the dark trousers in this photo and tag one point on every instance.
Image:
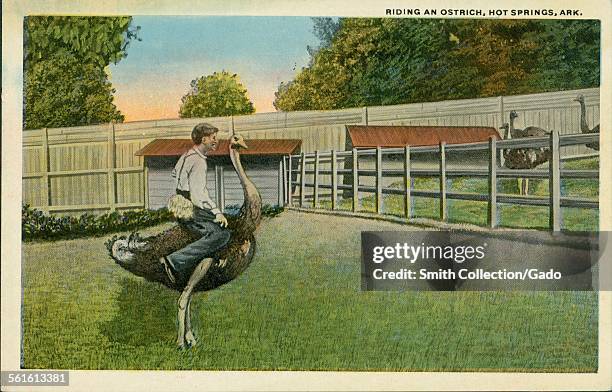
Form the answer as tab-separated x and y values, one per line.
214	237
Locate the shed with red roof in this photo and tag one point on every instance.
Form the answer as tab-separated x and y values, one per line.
261	161
370	136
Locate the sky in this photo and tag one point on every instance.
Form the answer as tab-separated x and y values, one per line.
174	50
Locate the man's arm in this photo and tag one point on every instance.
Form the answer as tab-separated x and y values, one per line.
199	192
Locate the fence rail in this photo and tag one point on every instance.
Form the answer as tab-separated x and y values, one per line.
295	166
93	168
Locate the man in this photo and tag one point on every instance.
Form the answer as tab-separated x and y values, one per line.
190	181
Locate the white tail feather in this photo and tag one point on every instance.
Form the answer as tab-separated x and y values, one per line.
180	207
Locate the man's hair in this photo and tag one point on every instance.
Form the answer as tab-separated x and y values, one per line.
201	130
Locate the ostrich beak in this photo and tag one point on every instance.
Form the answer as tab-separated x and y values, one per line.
241	144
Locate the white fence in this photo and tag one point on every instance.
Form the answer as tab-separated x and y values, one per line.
93	168
298	169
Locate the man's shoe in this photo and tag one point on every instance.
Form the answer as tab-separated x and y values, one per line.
168	267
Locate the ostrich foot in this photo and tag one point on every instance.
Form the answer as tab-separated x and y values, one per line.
190	339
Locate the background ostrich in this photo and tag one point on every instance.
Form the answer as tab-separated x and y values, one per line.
584	126
524	158
141	256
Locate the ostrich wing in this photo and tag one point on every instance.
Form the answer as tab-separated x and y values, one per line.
144	260
535	132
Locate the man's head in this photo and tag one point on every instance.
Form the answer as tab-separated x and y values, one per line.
204	136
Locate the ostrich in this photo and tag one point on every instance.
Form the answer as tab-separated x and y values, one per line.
524	158
140	256
584	126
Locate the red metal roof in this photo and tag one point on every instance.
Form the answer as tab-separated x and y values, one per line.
176	147
412	135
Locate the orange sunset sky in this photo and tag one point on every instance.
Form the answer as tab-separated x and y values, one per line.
263	51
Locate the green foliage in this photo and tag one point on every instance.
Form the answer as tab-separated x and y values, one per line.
219	94
36	225
65	83
324	28
63	91
92	39
366	61
570	53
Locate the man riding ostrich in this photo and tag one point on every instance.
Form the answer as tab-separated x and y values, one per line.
205	250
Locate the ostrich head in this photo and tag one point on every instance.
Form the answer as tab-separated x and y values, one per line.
237	142
579	98
513	114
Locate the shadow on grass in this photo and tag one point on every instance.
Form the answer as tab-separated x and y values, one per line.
146	315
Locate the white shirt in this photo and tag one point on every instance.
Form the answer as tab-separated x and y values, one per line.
190	175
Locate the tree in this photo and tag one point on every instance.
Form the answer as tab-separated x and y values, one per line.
219	94
65	82
569	56
324	28
62	91
92	39
378	61
500	54
369	61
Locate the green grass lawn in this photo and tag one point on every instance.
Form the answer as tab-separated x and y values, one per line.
475	212
298	307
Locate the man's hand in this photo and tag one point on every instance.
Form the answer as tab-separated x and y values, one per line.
220	219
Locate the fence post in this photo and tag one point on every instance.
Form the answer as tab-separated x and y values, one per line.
500	107
378	180
334	179
302	179
280	182
46	188
112	178
284	168
145	173
355	181
501	122
290	183
443	214
315	198
554	183
364	115
407	182
230	126
492	215
220	187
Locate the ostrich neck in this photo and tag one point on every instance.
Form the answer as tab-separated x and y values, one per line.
512	133
506	137
584	127
250	212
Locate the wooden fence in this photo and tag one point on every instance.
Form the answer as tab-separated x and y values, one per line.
101	177
93	168
297	168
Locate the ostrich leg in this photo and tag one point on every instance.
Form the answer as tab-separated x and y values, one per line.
189	336
185	298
